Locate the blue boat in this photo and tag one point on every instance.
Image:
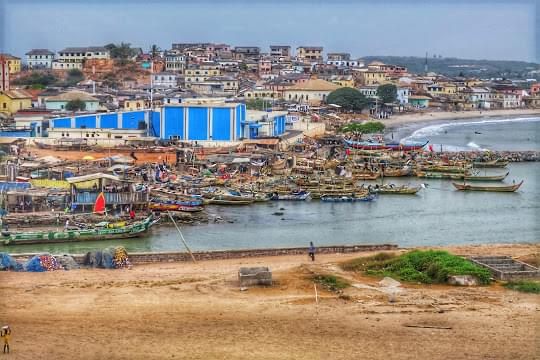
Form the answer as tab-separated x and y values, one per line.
334	198
294	196
373	145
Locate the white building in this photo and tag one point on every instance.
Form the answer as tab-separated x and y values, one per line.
73	57
345	63
313	91
39	59
165	80
403	95
175	61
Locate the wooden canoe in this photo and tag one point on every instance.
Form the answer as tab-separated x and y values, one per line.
491	164
505	188
401	190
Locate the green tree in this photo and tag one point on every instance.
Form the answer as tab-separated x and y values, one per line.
348	98
36	79
122	51
154	50
74	76
370	127
387	93
76	105
256	104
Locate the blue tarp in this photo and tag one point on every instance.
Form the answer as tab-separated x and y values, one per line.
4	186
9	263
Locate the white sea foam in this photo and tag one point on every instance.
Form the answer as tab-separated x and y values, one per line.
437	129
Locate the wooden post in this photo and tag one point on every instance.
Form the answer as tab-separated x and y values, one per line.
181	236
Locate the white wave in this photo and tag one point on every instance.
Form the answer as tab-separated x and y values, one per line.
437	129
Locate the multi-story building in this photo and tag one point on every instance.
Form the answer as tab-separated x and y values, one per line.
200	73
175	61
73	57
309	53
338	56
246	52
165	80
4	74
313	91
280	52
372	77
265	66
13	63
39	59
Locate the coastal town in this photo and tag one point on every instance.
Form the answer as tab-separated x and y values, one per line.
251	193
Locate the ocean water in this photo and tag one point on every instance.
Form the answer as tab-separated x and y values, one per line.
437	215
510	134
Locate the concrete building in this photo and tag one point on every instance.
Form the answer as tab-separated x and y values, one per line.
246	52
280	52
73	57
39	59
309	53
60	101
4	74
14	100
264	124
13	63
312	92
175	61
165	80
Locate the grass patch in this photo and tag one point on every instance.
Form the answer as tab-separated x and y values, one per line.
429	267
331	282
524	286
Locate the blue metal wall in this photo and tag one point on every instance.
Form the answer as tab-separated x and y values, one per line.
131	119
62	123
155	128
221	124
173	122
198	123
88	122
109	121
239	119
279	125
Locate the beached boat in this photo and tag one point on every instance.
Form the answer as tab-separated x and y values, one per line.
504	188
292	196
397	190
106	232
371	145
175	205
389	172
219	200
491	164
348	198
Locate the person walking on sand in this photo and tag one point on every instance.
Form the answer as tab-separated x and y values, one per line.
311	251
6	335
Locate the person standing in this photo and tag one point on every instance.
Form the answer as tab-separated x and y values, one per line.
6	335
311	251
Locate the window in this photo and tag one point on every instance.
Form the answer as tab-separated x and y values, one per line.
4	105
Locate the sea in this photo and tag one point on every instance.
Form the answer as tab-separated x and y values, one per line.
438	215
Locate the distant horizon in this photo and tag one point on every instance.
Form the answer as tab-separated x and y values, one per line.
484	30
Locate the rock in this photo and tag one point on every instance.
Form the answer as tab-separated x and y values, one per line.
389	282
463	280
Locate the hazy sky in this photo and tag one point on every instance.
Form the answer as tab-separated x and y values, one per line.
481	29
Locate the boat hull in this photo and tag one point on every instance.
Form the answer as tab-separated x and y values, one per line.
469	187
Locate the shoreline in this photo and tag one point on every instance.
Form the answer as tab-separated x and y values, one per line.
398	121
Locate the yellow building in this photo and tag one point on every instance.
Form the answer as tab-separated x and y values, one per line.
135	104
14	63
12	101
373	77
343	81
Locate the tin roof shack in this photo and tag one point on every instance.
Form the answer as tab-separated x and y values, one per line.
118	192
30	200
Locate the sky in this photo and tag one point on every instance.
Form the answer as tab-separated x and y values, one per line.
474	29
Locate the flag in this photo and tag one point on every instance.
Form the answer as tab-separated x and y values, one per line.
99	205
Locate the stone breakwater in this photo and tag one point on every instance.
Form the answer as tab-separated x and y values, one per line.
176	256
512	156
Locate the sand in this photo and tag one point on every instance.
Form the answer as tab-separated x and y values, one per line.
197	311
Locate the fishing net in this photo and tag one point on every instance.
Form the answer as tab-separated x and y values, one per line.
67	262
107	256
8	263
43	262
120	259
93	259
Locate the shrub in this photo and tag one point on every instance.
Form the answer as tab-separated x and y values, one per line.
331	282
524	286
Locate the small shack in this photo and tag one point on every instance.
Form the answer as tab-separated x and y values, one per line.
118	192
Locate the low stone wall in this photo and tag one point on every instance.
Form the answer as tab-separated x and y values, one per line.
158	257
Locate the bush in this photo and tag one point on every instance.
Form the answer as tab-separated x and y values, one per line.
524	286
370	127
331	282
375	262
348	98
428	267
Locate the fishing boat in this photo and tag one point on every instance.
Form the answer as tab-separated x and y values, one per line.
504	188
348	198
221	201
454	176
485	177
292	196
390	172
445	168
491	164
397	190
175	205
372	145
102	231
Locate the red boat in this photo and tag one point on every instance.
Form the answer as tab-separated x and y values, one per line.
368	145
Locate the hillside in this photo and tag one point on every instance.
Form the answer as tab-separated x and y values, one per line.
466	67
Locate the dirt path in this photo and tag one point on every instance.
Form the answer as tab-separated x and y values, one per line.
196	311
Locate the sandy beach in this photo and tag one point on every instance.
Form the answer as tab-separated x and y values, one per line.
398	120
197	311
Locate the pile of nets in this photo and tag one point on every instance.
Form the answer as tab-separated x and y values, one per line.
113	257
67	262
42	262
7	262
